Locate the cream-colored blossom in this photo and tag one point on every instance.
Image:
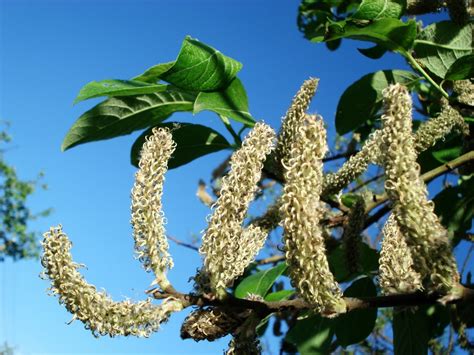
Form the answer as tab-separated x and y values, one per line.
226	246
292	119
96	309
354	166
151	243
436	128
397	272
465	91
211	323
425	137
301	213
423	232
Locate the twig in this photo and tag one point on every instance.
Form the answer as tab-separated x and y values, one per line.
270	260
365	183
184	244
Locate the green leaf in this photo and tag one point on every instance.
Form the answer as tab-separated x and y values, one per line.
260	282
119	116
377	9
192	141
115	87
368	259
390	33
198	67
410	332
201	68
153	74
448	154
462	68
231	102
346	332
440	44
455	207
349	199
312	335
279	295
374	52
363	98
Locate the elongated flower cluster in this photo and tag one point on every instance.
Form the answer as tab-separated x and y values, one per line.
295	116
354	166
397	272
301	211
436	128
420	226
95	309
211	323
465	91
151	244
425	137
292	119
227	247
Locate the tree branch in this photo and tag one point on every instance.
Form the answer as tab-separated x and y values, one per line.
264	308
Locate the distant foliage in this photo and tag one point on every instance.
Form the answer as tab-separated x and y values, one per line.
16	239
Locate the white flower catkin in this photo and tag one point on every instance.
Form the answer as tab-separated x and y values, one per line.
436	128
292	119
425	137
96	310
301	211
227	247
295	116
151	243
423	232
397	272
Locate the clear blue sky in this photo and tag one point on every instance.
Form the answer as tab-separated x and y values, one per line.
49	50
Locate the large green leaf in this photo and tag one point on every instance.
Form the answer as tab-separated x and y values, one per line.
116	87
200	67
390	33
119	116
312	335
362	99
260	282
231	102
346	332
378	9
462	68
410	332
440	44
192	141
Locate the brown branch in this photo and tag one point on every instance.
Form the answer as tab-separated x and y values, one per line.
270	260
264	308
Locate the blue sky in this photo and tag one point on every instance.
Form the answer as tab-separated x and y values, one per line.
49	50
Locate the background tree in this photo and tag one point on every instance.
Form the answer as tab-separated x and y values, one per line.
16	240
226	97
